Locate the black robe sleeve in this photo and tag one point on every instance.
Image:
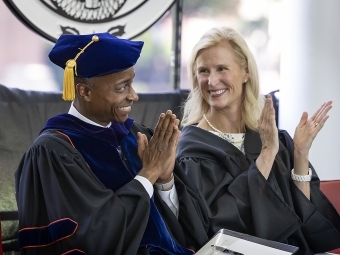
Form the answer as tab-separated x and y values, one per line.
60	197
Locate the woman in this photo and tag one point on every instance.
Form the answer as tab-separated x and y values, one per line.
253	177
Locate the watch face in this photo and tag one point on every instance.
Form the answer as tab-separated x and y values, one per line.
123	18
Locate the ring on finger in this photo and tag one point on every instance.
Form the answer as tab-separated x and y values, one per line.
316	124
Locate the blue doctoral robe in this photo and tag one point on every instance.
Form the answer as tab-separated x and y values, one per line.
84	198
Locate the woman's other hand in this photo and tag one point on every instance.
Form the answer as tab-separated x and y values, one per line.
307	129
304	136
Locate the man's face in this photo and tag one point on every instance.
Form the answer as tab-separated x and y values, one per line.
111	97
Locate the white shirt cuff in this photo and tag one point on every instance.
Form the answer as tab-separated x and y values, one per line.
146	183
170	197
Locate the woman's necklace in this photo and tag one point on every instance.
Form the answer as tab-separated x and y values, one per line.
221	134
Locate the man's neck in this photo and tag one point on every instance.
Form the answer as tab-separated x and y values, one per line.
73	111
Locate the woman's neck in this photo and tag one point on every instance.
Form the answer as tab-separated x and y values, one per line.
226	122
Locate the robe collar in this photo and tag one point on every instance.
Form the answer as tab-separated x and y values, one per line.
113	135
219	147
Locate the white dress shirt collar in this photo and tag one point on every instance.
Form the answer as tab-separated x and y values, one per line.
73	111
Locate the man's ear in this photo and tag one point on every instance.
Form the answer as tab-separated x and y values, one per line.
83	91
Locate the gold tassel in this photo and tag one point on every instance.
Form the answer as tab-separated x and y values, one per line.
71	67
69	88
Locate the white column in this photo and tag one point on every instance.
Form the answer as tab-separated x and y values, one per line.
310	75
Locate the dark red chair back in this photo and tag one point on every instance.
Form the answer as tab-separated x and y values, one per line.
332	191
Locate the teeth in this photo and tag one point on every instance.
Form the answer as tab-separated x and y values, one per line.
126	108
218	92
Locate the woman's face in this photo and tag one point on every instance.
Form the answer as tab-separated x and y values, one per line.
220	77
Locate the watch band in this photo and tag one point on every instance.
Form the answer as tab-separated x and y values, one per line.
165	186
301	178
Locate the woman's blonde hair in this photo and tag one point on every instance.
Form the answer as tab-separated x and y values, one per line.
195	106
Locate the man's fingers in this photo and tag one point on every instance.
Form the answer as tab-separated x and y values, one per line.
168	123
177	122
170	128
159	125
166	129
142	142
178	135
163	126
173	140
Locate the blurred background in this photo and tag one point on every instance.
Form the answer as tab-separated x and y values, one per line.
24	62
296	44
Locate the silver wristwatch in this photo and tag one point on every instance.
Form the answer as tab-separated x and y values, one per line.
165	186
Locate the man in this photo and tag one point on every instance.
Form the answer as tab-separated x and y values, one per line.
86	184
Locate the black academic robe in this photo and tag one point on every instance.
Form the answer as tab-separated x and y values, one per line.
77	195
239	198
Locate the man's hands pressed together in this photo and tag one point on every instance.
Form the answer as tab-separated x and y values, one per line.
158	155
